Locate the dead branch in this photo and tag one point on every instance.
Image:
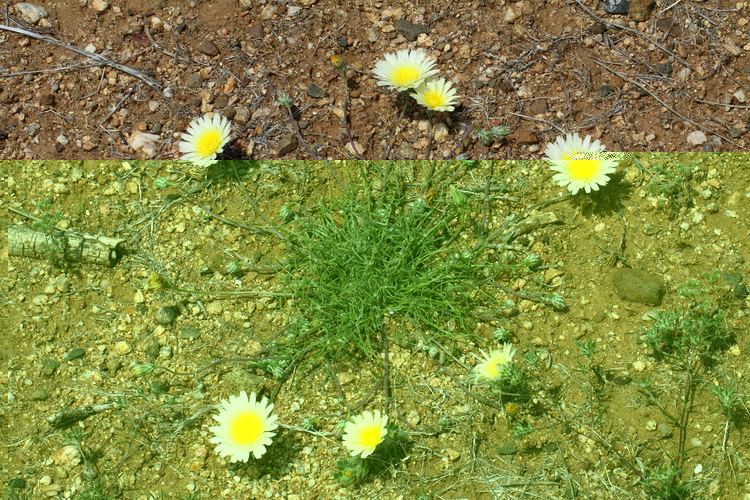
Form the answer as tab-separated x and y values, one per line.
98	58
65	245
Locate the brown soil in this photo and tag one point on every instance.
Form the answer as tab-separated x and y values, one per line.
538	67
590	428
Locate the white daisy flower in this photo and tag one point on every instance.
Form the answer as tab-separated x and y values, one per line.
365	432
205	139
245	426
404	70
580	163
494	365
437	95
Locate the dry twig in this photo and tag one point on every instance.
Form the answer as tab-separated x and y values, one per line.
99	59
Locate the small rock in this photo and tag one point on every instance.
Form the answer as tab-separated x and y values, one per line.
242	115
696	138
122	348
732	277
140	141
511	14
67	457
287	144
651	425
47	100
209	48
508	449
33	129
268	11
538	106
665	431
99	5
616	6
293	10
405	152
640	10
551	274
453	455
521	136
731	47
138	298
166	315
740	96
413	418
354	148
639	366
316	92
221	101
39	395
214	308
195	81
638	286
113	365
256	31
622	380
410	30
49	367
440	132
75	353
31	12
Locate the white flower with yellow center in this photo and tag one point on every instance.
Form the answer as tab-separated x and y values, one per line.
245	426
580	163
437	95
365	432
495	364
205	139
404	70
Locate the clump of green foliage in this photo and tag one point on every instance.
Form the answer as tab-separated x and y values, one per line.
685	336
397	253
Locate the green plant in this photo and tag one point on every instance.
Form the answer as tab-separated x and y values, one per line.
670	184
665	482
688	337
487	136
374	259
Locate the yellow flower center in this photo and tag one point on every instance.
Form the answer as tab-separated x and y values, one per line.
246	428
208	143
369	437
581	169
404	76
491	370
434	99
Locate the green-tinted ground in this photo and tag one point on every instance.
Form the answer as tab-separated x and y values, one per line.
617	399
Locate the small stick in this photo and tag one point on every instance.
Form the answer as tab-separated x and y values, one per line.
70	246
298	131
663	103
65	418
429	140
117	107
91	55
254	230
636	32
336	383
347	118
386	375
